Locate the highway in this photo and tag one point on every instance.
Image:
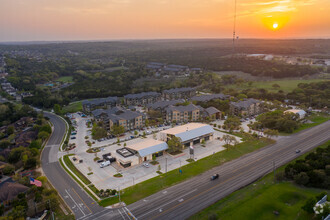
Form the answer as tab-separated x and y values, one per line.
187	198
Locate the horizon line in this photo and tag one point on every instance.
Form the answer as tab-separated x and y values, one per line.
151	39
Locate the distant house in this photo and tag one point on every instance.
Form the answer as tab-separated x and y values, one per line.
179	93
130	120
182	113
90	105
196	70
299	112
206	98
212	113
248	107
10	190
143	98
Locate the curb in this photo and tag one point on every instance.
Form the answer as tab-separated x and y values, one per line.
86	187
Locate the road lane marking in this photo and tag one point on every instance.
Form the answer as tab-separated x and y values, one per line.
82	201
130	213
160	207
75	203
126	213
121	214
240	174
107	211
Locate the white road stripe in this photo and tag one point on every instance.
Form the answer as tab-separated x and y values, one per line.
174	200
75	203
121	214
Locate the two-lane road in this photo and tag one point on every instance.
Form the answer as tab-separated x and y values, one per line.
81	204
189	197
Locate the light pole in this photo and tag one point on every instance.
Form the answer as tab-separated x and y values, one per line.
165	164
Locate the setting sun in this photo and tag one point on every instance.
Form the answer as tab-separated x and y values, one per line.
275	26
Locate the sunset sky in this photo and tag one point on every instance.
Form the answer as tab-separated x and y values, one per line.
33	20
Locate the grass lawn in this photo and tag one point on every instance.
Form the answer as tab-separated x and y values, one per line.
65	79
151	186
315	118
259	200
75	170
79	175
72	107
285	85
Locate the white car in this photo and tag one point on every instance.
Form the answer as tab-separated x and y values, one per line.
105	164
146	165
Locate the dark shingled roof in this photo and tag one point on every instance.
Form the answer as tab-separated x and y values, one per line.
179	90
177	66
245	104
211	111
10	190
100	101
141	95
164	104
182	108
117	113
206	98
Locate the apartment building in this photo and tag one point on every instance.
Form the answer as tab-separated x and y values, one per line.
130	120
179	93
105	103
248	107
142	99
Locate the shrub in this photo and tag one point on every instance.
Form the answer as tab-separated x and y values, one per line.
309	205
8	170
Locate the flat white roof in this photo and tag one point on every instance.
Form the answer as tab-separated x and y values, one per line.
183	128
148	146
296	111
190	131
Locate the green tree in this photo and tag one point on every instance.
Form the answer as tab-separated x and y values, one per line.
117	130
136	133
18	212
309	205
98	132
232	123
10	130
43	135
174	144
271	133
276	86
4	144
57	109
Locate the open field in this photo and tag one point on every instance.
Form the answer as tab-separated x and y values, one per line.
72	107
65	79
259	200
286	85
151	186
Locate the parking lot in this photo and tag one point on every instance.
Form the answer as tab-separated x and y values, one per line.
103	178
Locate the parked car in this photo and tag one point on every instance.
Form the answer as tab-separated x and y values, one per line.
214	176
105	164
74	159
146	165
73	138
